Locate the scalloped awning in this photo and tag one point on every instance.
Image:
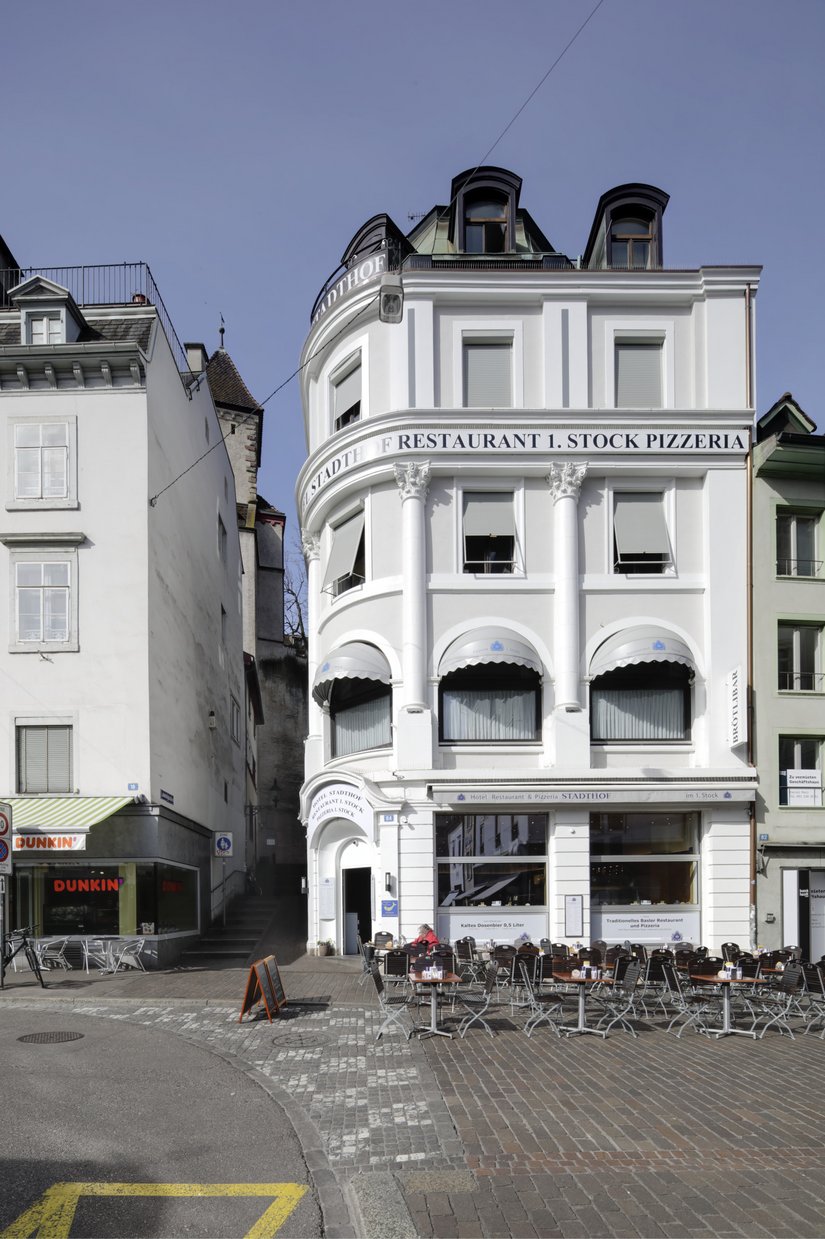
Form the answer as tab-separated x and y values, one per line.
645	644
488	645
354	661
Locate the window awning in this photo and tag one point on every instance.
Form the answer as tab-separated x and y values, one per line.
639	526
488	645
645	644
488	515
345	540
354	661
64	812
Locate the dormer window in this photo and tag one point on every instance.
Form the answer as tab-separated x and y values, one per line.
44	328
485	226
631	241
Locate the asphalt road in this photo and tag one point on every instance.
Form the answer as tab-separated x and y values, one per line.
126	1106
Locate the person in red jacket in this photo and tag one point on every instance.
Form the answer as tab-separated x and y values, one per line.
426	937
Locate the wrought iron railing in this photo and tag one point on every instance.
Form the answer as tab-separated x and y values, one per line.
125	283
802	681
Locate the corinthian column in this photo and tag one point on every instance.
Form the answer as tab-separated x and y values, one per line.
565	482
413	482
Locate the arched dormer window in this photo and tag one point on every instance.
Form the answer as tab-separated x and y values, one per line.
627	229
483	214
485	225
631	242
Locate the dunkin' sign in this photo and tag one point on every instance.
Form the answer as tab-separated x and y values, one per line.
63	842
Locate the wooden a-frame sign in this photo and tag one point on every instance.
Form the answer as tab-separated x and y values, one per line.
264	985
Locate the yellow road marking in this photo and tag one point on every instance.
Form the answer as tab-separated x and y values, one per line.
52	1215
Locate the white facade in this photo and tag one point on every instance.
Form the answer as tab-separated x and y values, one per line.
470	529
131	655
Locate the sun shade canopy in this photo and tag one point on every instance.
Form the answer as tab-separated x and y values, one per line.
639	526
488	645
640	645
488	515
345	542
354	661
64	812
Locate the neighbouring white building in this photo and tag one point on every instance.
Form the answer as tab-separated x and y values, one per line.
121	655
525	514
789	677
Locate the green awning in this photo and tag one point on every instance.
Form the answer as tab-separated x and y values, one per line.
63	812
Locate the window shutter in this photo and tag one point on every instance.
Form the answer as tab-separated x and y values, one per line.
488	515
345	540
347	392
488	374
638	375
639	526
59	749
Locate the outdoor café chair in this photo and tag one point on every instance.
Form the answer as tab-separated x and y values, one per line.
467	965
477	1002
98	951
542	1005
51	952
701	1011
526	965
778	1004
382	939
815	1012
396	968
619	1000
392	1007
731	952
127	954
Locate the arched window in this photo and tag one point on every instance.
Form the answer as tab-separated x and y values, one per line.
641	703
490	704
360	712
485	225
631	242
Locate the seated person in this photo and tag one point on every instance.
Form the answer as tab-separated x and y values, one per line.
426	937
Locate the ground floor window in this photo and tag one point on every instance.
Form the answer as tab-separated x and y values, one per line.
644	858
102	900
490	860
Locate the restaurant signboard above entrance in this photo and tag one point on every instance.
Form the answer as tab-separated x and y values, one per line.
591	795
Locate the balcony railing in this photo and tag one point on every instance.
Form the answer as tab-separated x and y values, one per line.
798	567
802	681
126	283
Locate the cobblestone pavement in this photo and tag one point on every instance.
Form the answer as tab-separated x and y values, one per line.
510	1136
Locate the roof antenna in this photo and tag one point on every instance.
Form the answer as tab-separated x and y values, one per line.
222	329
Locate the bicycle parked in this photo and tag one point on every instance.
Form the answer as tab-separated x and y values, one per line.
18	940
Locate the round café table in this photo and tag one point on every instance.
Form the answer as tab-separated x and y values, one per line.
727	1029
582	1027
446	978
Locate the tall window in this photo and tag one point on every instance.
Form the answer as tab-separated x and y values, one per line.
485	226
41	460
490	704
360	712
799	649
490	860
346	566
43	601
44	329
346	393
641	704
235	720
489	531
640	538
44	759
638	374
796	544
631	243
222	541
488	374
800	771
643	858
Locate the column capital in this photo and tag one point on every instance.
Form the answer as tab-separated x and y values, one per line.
565	480
310	544
413	479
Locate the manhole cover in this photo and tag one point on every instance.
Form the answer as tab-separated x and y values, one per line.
291	1039
50	1038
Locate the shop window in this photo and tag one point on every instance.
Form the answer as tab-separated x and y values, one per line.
490	704
360	714
640	538
489	532
642	704
643	858
800	772
43	454
796	544
799	657
488	374
638	374
476	866
631	242
109	899
346	393
44	759
346	565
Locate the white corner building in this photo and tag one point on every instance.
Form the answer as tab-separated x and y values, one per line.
526	523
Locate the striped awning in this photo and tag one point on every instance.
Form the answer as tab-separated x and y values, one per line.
63	812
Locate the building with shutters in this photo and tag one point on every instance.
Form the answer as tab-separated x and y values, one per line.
526	525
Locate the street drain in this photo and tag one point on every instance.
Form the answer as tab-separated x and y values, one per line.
293	1040
50	1038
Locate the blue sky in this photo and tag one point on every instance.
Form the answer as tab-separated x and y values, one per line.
236	148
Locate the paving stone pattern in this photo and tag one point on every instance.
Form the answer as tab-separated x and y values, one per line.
510	1136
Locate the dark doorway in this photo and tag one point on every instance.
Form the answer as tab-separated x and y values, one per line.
357	907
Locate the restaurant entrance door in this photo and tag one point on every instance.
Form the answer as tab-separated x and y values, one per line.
357	885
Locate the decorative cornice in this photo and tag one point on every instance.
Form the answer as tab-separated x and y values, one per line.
413	479
310	544
565	480
69	538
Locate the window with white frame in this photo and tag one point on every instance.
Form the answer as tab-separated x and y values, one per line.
641	704
42	463
43	601
644	858
796	543
799	657
487	379
360	715
638	374
44	758
490	704
346	393
640	537
800	772
346	564
489	532
44	328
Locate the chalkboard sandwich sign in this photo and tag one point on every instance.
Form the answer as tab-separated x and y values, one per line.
264	985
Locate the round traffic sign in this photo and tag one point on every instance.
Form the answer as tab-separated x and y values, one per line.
4	851
224	843
5	824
